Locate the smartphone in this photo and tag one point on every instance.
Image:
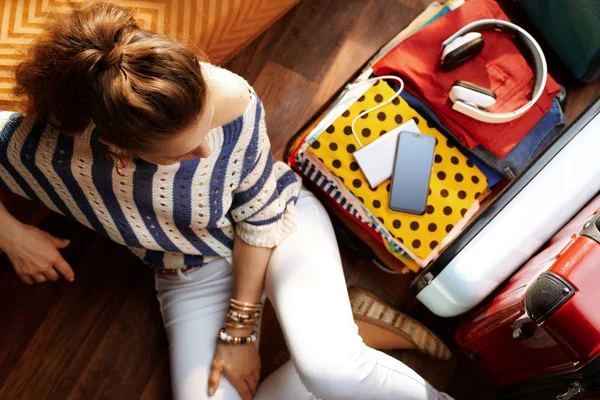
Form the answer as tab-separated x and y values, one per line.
412	171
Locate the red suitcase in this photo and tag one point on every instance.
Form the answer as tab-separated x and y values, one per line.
539	338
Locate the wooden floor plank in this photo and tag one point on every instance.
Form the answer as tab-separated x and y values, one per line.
128	354
159	385
79	315
309	43
371	31
282	91
102	297
29	306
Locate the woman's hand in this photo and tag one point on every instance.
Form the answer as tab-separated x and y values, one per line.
240	363
34	254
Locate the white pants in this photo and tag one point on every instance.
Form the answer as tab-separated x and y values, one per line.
306	285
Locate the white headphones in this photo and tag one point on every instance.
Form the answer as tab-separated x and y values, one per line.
473	100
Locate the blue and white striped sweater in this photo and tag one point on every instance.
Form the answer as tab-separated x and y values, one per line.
175	216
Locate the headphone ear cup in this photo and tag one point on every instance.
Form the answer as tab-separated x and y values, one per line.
461	50
473	94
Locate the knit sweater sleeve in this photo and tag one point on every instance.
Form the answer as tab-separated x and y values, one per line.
263	203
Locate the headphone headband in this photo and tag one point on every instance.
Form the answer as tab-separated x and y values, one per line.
484	25
540	68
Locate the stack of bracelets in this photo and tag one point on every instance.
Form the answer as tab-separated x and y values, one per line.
241	316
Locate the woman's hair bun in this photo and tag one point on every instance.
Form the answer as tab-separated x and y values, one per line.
95	64
111	58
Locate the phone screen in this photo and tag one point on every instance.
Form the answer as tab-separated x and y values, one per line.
411	174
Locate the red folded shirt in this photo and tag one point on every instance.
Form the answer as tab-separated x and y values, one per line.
500	67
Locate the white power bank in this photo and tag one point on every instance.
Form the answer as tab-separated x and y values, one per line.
376	160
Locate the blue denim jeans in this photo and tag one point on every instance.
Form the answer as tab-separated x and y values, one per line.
526	151
534	143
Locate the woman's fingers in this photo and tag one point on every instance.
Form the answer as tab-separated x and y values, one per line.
51	274
59	243
252	384
64	268
27	279
242	387
39	278
214	378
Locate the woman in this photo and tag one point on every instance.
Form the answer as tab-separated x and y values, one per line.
128	133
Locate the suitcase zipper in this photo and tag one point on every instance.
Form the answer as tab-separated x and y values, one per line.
573	391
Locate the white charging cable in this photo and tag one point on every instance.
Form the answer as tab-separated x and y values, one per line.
379	78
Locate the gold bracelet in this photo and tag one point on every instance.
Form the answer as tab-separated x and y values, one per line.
233	320
244	311
239	326
244	304
243	320
237	311
236	315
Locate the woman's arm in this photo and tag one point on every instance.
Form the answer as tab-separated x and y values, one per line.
249	270
241	363
261	211
8	224
33	253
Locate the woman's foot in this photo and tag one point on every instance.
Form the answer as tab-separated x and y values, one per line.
384	328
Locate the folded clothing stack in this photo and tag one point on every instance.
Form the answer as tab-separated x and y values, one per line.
508	147
326	157
480	155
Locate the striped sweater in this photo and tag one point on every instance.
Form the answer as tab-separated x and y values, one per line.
175	216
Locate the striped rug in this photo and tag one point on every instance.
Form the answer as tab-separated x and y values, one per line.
219	27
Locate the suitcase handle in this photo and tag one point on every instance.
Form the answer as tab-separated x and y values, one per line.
545	295
591	228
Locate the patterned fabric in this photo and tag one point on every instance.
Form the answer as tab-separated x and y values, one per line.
175	216
218	28
500	67
455	186
316	172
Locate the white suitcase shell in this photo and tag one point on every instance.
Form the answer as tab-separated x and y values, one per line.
517	223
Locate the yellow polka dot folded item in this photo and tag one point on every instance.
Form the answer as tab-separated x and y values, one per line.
456	186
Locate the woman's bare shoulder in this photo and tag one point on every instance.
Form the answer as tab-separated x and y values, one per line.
230	94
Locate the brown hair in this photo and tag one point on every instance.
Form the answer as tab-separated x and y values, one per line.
95	64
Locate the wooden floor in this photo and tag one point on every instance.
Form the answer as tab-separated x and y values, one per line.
101	337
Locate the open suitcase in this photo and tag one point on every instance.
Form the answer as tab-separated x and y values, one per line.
501	236
517	222
539	338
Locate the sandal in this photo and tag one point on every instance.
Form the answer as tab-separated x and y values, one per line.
369	308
